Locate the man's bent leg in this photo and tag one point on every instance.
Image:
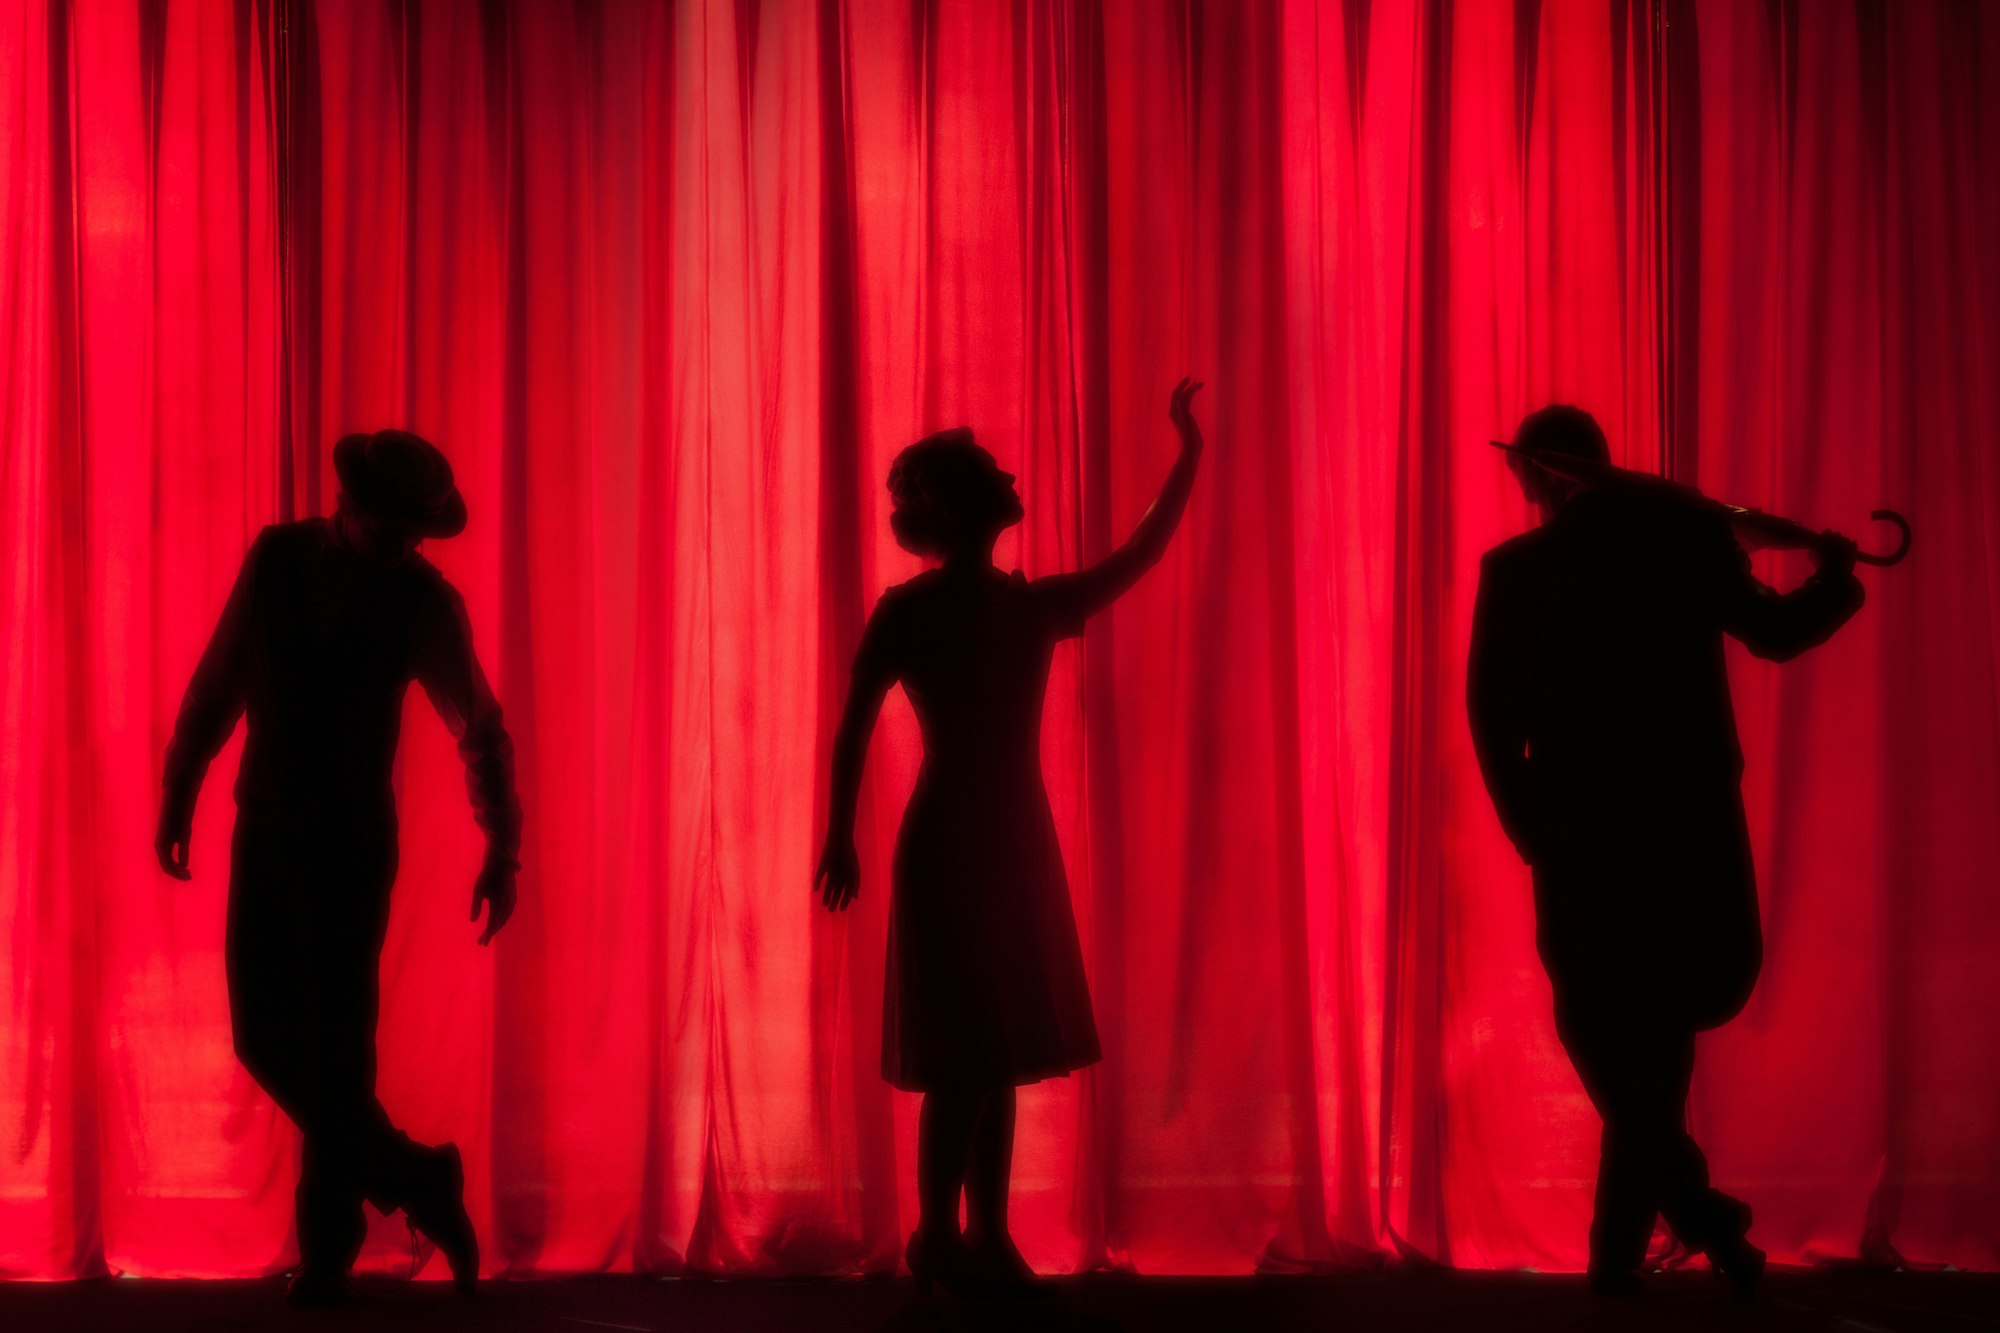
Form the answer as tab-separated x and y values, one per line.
1614	1053
1702	1217
303	936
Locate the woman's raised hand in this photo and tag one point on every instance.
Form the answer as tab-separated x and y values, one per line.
1180	409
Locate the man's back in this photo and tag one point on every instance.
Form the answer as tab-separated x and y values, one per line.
1599	702
1604	630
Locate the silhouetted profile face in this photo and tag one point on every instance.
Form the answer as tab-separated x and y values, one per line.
950	497
1557	429
374	537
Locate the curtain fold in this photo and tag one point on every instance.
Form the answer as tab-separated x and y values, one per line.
671	284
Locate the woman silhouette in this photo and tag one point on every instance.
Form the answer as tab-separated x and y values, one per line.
985	987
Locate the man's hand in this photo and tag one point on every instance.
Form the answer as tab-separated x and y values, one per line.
838	878
170	844
1833	558
1180	410
495	888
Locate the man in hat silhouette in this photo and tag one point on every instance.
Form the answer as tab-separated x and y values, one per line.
329	621
1600	711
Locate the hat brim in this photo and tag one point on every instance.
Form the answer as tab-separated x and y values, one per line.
350	464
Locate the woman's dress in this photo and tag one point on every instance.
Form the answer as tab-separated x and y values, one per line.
985	977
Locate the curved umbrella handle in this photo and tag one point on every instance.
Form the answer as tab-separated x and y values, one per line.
1902	544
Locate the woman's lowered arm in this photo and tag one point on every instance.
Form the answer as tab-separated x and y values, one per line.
838	877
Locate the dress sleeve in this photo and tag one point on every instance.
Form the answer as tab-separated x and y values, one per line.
878	660
449	671
1065	603
217	692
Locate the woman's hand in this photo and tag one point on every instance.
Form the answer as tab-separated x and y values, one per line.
838	879
1180	410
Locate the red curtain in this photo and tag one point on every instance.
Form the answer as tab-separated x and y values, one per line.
671	284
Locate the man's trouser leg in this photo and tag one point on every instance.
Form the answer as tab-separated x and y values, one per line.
1637	1071
303	951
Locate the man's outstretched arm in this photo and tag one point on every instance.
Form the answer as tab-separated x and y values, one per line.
214	700
449	671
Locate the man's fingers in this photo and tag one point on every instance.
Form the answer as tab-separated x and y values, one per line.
173	854
497	915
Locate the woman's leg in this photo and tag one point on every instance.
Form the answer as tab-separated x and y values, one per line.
991	1165
945	1128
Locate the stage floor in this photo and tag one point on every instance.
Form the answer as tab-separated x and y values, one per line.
1841	1302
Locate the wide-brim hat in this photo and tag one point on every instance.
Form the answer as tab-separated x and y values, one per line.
401	478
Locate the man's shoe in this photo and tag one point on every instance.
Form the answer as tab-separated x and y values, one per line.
1616	1283
437	1208
1741	1263
317	1287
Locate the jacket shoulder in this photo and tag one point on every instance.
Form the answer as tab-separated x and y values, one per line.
287	542
431	582
1515	554
296	532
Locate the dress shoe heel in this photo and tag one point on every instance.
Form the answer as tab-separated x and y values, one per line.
935	1263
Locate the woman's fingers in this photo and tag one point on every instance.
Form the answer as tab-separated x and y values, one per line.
1183	395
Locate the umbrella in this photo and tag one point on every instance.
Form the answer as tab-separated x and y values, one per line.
1754	527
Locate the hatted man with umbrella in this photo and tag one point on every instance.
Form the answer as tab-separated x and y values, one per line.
1600	711
329	621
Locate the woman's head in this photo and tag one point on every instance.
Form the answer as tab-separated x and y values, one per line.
949	495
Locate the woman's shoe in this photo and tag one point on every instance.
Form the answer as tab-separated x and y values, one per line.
937	1261
995	1262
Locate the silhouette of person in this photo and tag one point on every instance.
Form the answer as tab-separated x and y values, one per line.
1600	711
985	987
327	624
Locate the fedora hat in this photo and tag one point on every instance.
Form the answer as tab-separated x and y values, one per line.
401	478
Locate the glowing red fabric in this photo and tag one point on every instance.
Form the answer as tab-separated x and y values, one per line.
672	283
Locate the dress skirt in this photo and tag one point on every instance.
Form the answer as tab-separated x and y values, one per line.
985	982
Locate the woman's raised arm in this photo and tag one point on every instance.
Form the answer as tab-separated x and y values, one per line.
1083	594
